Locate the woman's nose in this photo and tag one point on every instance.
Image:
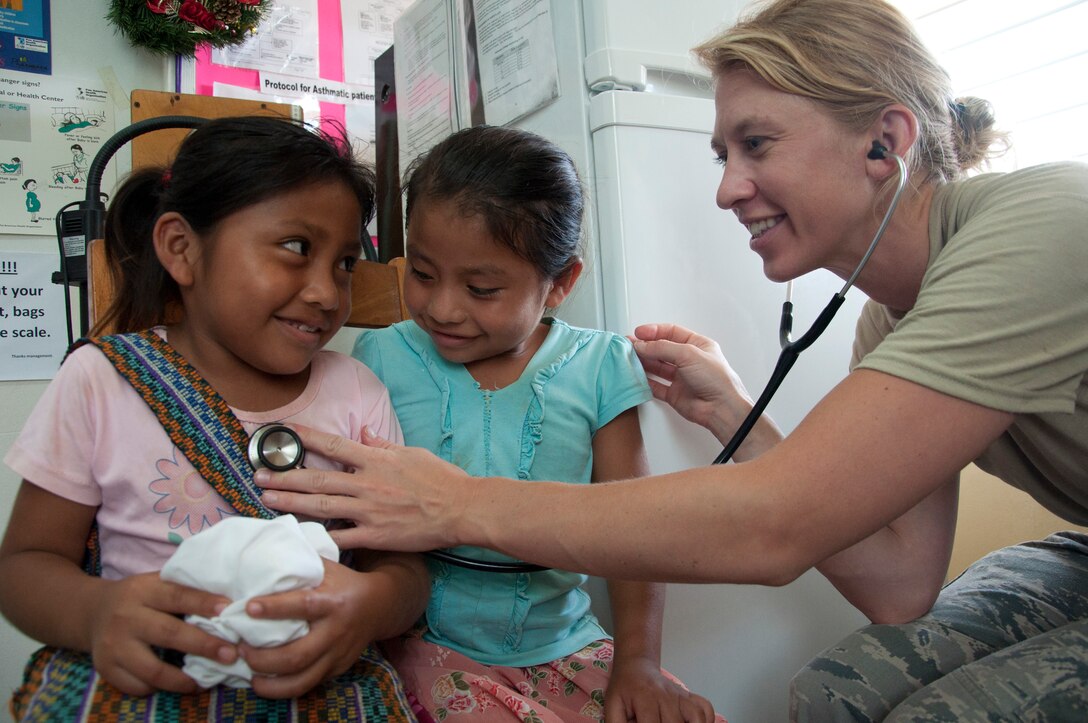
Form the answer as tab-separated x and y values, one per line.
734	187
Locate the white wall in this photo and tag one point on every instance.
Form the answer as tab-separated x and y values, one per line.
84	47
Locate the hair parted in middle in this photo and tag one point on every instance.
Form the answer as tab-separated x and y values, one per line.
525	188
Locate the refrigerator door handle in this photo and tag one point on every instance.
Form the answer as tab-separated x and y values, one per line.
614	69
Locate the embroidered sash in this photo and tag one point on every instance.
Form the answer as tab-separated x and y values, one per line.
193	414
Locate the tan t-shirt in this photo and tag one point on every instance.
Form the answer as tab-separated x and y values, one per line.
1002	320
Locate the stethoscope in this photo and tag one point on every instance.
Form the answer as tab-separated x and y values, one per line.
792	349
279	448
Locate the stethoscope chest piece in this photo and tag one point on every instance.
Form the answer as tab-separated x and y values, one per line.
276	447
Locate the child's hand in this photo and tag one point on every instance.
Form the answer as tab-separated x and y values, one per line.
337	611
637	690
142	611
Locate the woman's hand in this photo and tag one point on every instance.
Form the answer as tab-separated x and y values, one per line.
346	613
399	498
697	381
139	612
638	691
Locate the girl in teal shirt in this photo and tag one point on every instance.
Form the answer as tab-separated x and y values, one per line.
483	378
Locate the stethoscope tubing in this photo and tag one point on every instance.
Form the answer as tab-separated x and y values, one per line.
792	349
786	360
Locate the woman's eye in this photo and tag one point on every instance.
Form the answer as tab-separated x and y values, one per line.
297	246
753	143
419	274
720	159
477	291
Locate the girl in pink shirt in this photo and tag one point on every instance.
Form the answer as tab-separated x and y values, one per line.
251	235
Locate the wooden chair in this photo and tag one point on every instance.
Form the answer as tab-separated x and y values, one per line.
376	298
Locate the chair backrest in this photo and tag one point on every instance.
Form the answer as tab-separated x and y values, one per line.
376	297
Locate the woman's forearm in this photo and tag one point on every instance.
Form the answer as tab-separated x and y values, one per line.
848	470
764	435
874	448
895	574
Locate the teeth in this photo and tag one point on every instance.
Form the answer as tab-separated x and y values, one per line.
306	327
759	227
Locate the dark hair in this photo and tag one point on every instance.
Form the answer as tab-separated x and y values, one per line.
524	186
225	165
29	181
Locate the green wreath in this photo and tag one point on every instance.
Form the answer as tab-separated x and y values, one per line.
179	27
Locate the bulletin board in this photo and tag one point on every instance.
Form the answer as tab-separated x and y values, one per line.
327	49
330	62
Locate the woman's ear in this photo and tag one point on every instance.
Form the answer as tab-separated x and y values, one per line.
896	128
562	285
177	247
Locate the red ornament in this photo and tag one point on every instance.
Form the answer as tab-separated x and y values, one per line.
249	2
162	7
195	13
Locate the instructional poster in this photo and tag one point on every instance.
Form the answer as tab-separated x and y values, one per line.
50	130
516	54
33	337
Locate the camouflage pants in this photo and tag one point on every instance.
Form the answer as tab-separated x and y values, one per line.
1006	641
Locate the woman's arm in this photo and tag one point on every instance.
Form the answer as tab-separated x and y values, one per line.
873	448
47	595
879	574
894	575
637	689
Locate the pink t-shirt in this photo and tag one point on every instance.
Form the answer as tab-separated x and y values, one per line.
93	440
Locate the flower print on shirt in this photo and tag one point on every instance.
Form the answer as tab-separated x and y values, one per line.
186	497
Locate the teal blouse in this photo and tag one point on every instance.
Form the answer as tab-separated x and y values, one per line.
540	427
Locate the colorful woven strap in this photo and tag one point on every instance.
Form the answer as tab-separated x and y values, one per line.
62	685
197	419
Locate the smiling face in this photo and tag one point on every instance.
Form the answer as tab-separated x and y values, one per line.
479	301
793	176
268	287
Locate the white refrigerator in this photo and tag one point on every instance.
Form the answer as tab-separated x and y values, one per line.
636	114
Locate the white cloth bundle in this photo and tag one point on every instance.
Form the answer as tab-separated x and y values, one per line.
241	558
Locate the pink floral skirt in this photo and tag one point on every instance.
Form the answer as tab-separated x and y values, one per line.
443	683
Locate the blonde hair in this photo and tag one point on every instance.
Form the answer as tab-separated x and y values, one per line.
855	58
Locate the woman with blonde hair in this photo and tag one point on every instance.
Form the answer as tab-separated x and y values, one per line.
971	349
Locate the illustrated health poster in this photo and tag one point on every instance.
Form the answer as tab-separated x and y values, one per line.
50	131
